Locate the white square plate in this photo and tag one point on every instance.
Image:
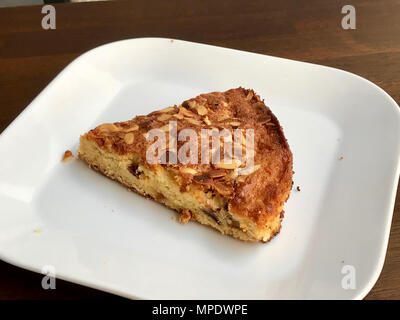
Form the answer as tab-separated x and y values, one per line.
96	233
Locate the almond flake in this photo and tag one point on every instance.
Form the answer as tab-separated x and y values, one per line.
194	121
129	138
131	128
233	174
223	117
185	112
164	117
134	127
192	104
165	110
234	123
264	119
188	170
247	171
108	127
222	189
179	116
202	110
202	179
216	173
235	164
165	128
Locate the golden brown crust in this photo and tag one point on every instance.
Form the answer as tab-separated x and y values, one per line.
259	195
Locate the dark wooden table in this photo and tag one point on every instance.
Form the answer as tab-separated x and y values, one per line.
308	30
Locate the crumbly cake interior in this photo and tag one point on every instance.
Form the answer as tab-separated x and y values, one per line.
247	207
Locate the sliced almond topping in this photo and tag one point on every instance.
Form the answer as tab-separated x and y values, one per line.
179	116
164	117
216	173
223	117
234	123
194	121
207	121
165	110
264	119
203	179
129	138
241	179
188	170
192	104
249	95
108	127
235	164
134	127
233	174
165	128
247	171
202	110
185	112
222	188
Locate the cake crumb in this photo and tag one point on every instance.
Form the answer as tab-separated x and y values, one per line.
67	156
184	216
298	188
341	158
172	40
36	231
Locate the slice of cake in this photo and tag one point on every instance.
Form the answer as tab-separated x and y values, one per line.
220	159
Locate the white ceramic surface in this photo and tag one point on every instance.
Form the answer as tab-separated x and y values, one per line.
96	233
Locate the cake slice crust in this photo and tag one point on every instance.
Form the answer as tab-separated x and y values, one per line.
247	205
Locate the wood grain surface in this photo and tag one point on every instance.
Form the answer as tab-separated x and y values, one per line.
308	30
